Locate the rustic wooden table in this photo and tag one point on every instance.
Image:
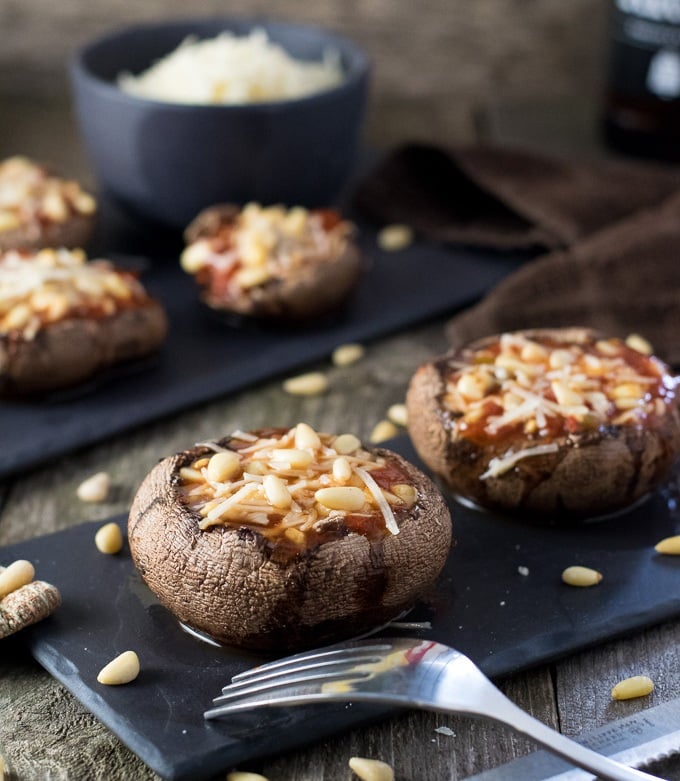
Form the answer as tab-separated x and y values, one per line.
46	734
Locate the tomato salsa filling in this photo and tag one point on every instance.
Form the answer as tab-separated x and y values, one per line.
539	389
297	487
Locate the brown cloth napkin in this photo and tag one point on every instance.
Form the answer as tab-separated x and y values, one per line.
506	198
623	279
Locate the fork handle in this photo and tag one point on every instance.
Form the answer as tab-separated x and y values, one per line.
506	712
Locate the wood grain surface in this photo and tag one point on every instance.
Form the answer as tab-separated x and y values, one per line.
444	69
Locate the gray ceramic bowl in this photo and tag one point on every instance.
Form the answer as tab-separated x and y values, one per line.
167	161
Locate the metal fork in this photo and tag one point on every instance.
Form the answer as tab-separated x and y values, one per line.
404	672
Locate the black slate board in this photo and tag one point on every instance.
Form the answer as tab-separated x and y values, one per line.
205	357
483	605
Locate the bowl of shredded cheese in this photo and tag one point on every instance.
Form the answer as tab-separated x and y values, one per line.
180	115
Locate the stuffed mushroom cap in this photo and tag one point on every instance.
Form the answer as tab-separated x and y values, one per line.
63	319
557	423
40	210
272	263
286	538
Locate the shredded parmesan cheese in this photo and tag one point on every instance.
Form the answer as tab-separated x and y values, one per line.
500	465
374	488
232	70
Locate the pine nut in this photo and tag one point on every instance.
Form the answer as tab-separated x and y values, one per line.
627	390
277	492
560	358
345	444
85	203
347	354
109	539
344	497
640	344
669	546
95	488
371	769
18	574
191	475
407	493
4	769
342	469
223	466
123	669
474	385
394	237
398	415
564	394
533	352
298	459
607	347
581	576
244	775
252	276
311	384
306	437
194	257
637	686
383	430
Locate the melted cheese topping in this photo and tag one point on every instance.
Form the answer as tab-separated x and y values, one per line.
297	484
44	287
537	390
29	195
263	244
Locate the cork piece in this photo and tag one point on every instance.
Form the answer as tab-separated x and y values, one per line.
27	605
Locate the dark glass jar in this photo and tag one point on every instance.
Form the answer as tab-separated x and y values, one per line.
642	101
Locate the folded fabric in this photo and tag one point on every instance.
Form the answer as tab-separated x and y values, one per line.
506	198
623	279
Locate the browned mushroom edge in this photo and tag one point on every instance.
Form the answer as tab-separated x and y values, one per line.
232	584
592	472
72	350
73	233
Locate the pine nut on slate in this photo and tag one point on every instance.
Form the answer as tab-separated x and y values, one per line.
109	539
637	686
670	546
581	576
371	769
394	237
243	775
123	669
18	574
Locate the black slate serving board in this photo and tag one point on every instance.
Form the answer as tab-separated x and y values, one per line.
483	605
205	357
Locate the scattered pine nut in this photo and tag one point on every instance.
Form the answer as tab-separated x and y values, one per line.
18	574
347	354
669	546
383	430
394	237
581	576
311	384
371	769
244	775
109	538
637	686
95	488
398	415
123	669
639	343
